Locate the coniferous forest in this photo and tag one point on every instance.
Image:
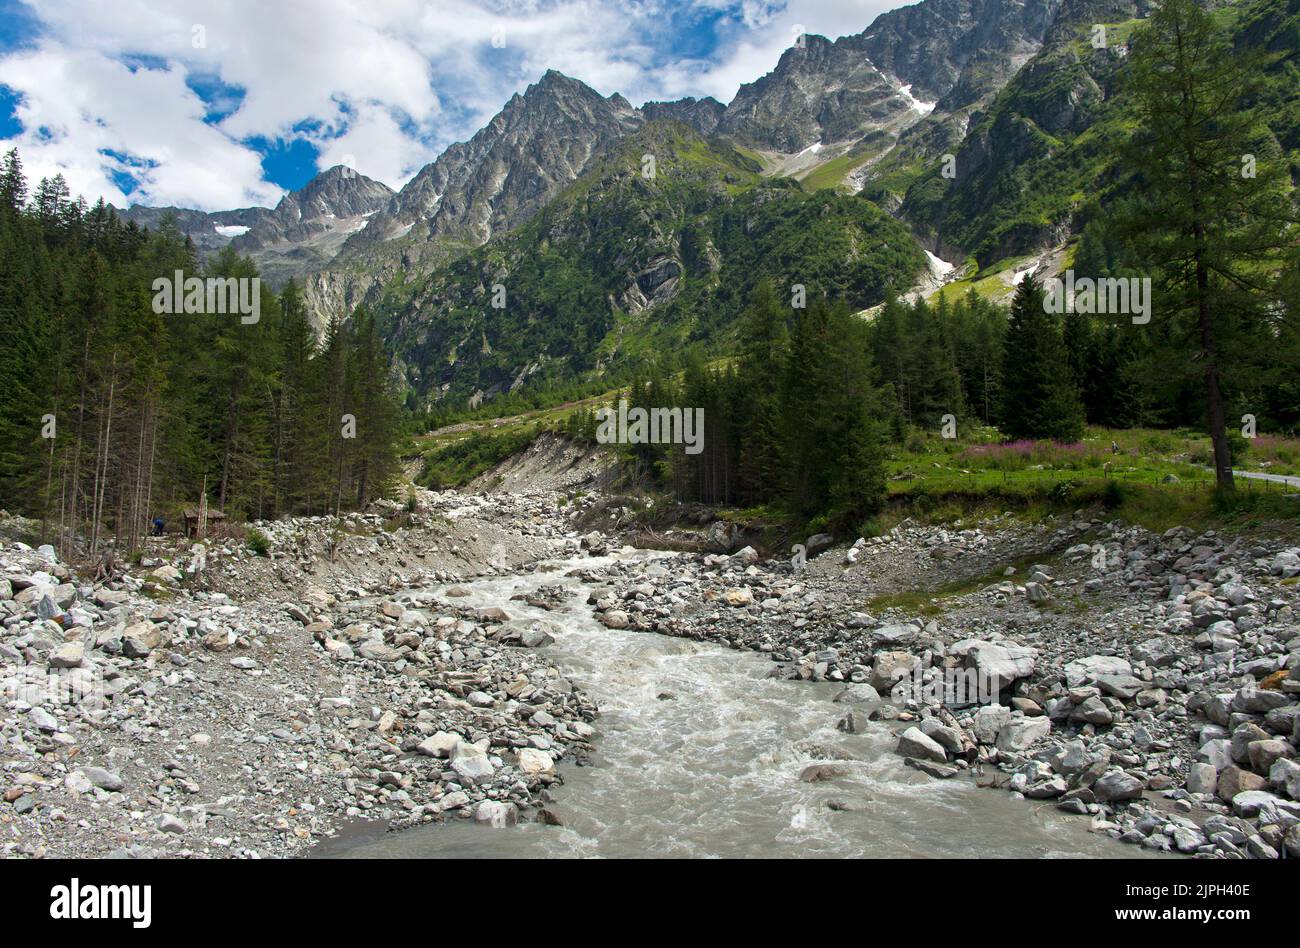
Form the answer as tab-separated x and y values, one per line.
115	415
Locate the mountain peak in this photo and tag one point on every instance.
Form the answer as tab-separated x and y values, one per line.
339	178
555	81
334	172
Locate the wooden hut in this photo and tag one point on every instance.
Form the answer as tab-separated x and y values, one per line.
197	521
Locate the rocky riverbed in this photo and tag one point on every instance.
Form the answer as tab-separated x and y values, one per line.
1150	682
214	702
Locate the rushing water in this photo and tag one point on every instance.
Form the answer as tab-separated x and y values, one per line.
714	770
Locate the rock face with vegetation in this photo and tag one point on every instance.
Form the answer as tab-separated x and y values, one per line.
624	267
991	129
851	96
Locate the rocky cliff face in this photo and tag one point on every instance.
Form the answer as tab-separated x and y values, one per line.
537	144
939	53
703	115
209	231
337	200
302	234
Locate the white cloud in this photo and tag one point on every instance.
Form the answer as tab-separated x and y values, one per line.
390	82
87	116
377	146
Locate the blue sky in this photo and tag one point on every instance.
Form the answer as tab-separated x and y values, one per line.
221	105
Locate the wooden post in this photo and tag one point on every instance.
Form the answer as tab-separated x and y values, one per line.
203	511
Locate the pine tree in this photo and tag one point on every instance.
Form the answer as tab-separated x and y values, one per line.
765	342
1039	399
832	443
1076	335
13	185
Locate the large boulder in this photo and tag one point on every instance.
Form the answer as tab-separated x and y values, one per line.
1019	733
1117	785
1085	671
1233	780
949	738
998	666
470	761
1285	773
496	814
723	536
1250	802
1159	652
817	543
744	557
1202	778
989	721
1252	700
890	667
1263	754
68	655
915	743
740	596
1286	564
440	744
532	761
141	638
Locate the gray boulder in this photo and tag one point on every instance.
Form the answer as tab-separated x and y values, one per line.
915	743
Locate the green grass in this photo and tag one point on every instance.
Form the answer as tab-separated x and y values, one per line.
831	174
991	282
1157	479
930	602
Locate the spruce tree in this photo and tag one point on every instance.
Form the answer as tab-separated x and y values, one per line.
764	348
1039	399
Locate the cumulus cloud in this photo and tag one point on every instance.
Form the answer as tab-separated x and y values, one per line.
376	145
91	118
108	90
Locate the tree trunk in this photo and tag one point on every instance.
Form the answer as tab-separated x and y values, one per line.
1213	390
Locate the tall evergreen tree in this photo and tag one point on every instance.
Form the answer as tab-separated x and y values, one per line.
765	343
1212	211
1039	399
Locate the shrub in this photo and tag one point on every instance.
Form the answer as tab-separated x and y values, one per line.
258	542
